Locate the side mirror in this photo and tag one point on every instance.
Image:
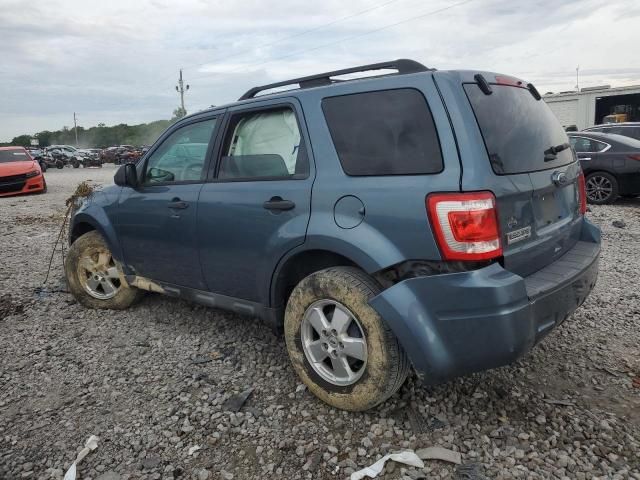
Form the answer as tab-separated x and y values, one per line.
126	176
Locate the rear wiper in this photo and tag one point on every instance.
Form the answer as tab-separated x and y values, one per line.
551	153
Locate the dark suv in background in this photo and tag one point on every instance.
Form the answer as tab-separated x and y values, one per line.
423	219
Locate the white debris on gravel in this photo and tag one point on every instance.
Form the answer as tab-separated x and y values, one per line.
566	410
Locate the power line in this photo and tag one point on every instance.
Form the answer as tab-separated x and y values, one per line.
296	35
351	37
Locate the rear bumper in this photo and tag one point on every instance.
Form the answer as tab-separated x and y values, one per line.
458	323
19	186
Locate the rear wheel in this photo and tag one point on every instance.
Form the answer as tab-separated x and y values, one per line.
602	188
95	278
338	345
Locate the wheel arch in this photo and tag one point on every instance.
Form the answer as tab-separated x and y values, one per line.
83	222
588	172
297	265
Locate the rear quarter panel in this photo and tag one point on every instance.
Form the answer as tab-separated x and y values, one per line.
395	225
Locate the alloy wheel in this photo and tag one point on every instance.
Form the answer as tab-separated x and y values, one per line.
99	275
334	342
599	188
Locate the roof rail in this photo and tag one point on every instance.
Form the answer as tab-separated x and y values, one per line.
403	66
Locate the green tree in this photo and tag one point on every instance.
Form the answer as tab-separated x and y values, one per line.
22	140
99	136
178	113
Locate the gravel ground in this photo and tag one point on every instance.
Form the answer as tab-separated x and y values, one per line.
153	383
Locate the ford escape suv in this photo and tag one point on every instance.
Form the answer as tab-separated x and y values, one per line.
418	219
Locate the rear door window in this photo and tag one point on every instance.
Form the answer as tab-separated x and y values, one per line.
388	132
264	144
587	145
517	129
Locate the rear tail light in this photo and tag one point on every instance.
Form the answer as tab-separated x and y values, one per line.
634	157
465	225
582	194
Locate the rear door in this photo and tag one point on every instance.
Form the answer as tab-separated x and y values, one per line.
257	205
530	167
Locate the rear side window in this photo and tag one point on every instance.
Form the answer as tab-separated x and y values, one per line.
388	132
587	145
517	129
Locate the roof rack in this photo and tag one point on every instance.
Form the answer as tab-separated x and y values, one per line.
403	66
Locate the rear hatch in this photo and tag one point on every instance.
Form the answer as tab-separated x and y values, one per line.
531	170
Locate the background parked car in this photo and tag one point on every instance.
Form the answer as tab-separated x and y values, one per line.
128	154
611	164
628	129
59	155
19	172
109	154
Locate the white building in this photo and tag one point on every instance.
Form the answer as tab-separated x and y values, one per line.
590	105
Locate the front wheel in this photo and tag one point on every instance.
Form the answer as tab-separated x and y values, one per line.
95	278
602	188
338	345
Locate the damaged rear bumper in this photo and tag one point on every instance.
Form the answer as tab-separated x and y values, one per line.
458	323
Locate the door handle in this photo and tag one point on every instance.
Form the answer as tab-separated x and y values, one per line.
584	158
277	203
177	204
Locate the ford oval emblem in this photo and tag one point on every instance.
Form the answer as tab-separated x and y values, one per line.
559	178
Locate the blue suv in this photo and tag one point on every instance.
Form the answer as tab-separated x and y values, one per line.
418	219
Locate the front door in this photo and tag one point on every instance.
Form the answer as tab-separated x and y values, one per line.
257	206
156	222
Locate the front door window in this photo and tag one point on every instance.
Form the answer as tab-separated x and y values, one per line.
181	157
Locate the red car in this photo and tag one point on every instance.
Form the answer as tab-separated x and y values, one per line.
19	173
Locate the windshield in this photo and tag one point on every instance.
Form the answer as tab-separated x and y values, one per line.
518	130
17	155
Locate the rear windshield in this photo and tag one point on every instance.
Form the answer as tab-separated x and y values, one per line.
389	132
7	156
517	129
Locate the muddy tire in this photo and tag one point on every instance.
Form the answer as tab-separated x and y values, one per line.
336	301
95	278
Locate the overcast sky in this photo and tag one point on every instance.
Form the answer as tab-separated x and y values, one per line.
117	61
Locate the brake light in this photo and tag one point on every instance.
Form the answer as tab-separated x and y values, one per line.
465	225
582	193
634	157
510	81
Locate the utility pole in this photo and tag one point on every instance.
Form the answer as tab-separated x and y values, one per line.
577	77
75	127
180	89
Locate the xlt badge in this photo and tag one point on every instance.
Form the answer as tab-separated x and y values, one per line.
518	235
